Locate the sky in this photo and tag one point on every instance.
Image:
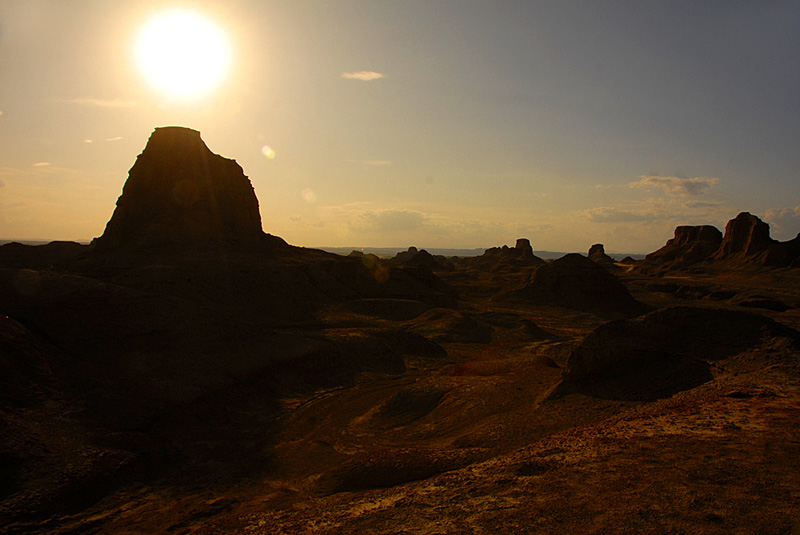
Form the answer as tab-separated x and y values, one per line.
433	123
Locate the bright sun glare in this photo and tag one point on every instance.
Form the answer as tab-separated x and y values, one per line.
182	53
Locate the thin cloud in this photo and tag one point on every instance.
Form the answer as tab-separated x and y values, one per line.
390	221
101	103
42	164
608	214
372	163
364	76
114	138
677	186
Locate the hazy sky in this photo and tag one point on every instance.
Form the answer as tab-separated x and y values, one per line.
427	123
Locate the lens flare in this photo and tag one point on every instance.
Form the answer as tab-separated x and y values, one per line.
309	195
268	151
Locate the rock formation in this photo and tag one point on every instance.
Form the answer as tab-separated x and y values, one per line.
574	281
691	244
53	254
503	258
665	351
747	239
421	257
597	254
179	193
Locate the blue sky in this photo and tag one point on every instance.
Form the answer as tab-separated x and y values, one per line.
569	123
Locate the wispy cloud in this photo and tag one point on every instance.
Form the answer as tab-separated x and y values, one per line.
674	185
102	103
364	76
42	164
117	138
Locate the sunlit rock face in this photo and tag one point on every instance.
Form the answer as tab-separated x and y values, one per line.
690	244
747	238
179	193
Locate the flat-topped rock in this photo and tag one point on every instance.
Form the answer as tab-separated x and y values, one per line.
179	193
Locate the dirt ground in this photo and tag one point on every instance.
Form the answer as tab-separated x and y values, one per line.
477	442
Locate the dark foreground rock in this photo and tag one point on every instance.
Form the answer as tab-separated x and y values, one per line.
576	282
666	351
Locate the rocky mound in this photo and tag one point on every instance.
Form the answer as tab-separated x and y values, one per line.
443	325
573	281
421	257
179	193
52	255
665	352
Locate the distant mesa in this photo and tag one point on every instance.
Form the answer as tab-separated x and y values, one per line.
53	254
690	245
597	254
746	241
573	281
505	257
179	193
421	257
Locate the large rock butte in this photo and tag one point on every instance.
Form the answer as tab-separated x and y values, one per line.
691	244
747	238
179	193
746	241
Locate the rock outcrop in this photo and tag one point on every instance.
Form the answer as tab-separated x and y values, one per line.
666	351
573	281
505	257
180	194
691	244
421	257
747	239
597	254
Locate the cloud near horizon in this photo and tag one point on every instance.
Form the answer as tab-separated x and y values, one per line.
389	221
364	76
609	214
785	222
677	186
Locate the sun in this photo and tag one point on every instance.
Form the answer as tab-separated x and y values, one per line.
183	54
